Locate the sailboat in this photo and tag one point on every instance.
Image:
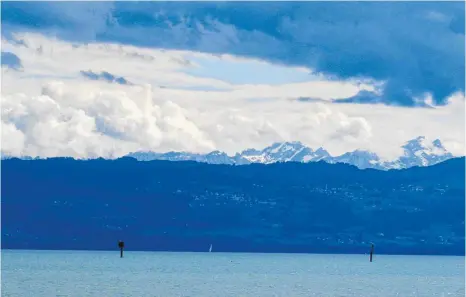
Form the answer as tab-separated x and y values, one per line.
210	249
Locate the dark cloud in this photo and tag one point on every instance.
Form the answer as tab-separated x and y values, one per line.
416	47
362	97
457	24
104	75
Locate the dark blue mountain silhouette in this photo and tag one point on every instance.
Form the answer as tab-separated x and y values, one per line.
62	203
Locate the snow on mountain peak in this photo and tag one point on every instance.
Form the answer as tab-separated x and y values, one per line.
417	152
421	152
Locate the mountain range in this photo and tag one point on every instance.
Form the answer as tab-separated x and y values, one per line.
416	152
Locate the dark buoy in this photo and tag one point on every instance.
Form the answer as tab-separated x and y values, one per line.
372	251
121	245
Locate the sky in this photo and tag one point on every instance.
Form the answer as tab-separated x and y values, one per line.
102	79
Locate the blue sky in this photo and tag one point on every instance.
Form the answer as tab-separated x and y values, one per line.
377	53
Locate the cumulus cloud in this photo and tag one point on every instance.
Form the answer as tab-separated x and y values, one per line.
91	120
14	139
50	109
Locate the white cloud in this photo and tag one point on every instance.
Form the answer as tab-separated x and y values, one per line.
50	109
437	16
14	139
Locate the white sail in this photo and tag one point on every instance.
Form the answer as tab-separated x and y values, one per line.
210	249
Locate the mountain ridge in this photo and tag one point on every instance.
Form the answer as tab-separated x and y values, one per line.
416	153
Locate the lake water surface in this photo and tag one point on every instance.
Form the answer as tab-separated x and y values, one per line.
164	274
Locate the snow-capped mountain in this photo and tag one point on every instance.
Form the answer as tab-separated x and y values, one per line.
283	152
358	158
417	152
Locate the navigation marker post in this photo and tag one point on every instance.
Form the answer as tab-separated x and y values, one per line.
121	245
372	251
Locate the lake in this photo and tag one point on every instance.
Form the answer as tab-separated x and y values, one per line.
165	274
